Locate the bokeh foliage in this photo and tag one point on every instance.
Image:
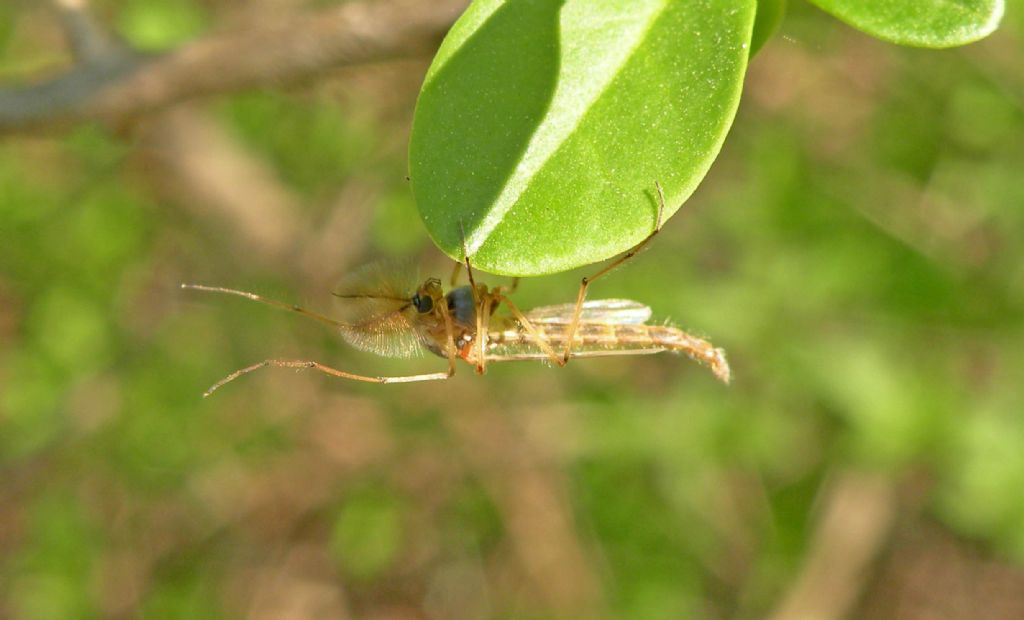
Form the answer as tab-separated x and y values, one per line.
858	249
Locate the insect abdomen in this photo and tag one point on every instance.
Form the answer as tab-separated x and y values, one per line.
595	338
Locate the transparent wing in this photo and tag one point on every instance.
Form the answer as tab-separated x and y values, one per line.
614	311
375	305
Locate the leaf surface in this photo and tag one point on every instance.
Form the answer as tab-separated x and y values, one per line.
543	125
920	23
769	16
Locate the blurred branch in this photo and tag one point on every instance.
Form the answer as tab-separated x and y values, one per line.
113	84
193	162
102	60
89	41
532	495
857	520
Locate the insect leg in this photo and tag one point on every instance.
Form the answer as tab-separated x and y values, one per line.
480	337
531	329
270	302
449	338
586	281
483	326
334	372
469	269
511	288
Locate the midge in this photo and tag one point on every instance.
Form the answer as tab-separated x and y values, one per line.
392	316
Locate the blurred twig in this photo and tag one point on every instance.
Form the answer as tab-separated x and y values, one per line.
114	84
89	41
857	519
532	495
194	162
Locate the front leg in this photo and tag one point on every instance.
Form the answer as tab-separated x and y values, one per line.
334	372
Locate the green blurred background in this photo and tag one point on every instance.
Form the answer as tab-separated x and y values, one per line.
858	249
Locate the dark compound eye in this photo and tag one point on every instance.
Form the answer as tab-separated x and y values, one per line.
423	303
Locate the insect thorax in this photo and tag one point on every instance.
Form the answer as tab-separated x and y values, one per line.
461	306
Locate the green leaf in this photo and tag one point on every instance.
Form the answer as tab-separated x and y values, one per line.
769	16
542	125
920	23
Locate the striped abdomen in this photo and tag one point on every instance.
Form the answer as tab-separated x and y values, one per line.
603	339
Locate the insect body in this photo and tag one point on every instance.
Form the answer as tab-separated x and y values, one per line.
388	313
606	327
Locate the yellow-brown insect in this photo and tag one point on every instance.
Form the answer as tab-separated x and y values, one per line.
390	315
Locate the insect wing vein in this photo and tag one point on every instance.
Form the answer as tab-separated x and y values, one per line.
374	303
609	311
